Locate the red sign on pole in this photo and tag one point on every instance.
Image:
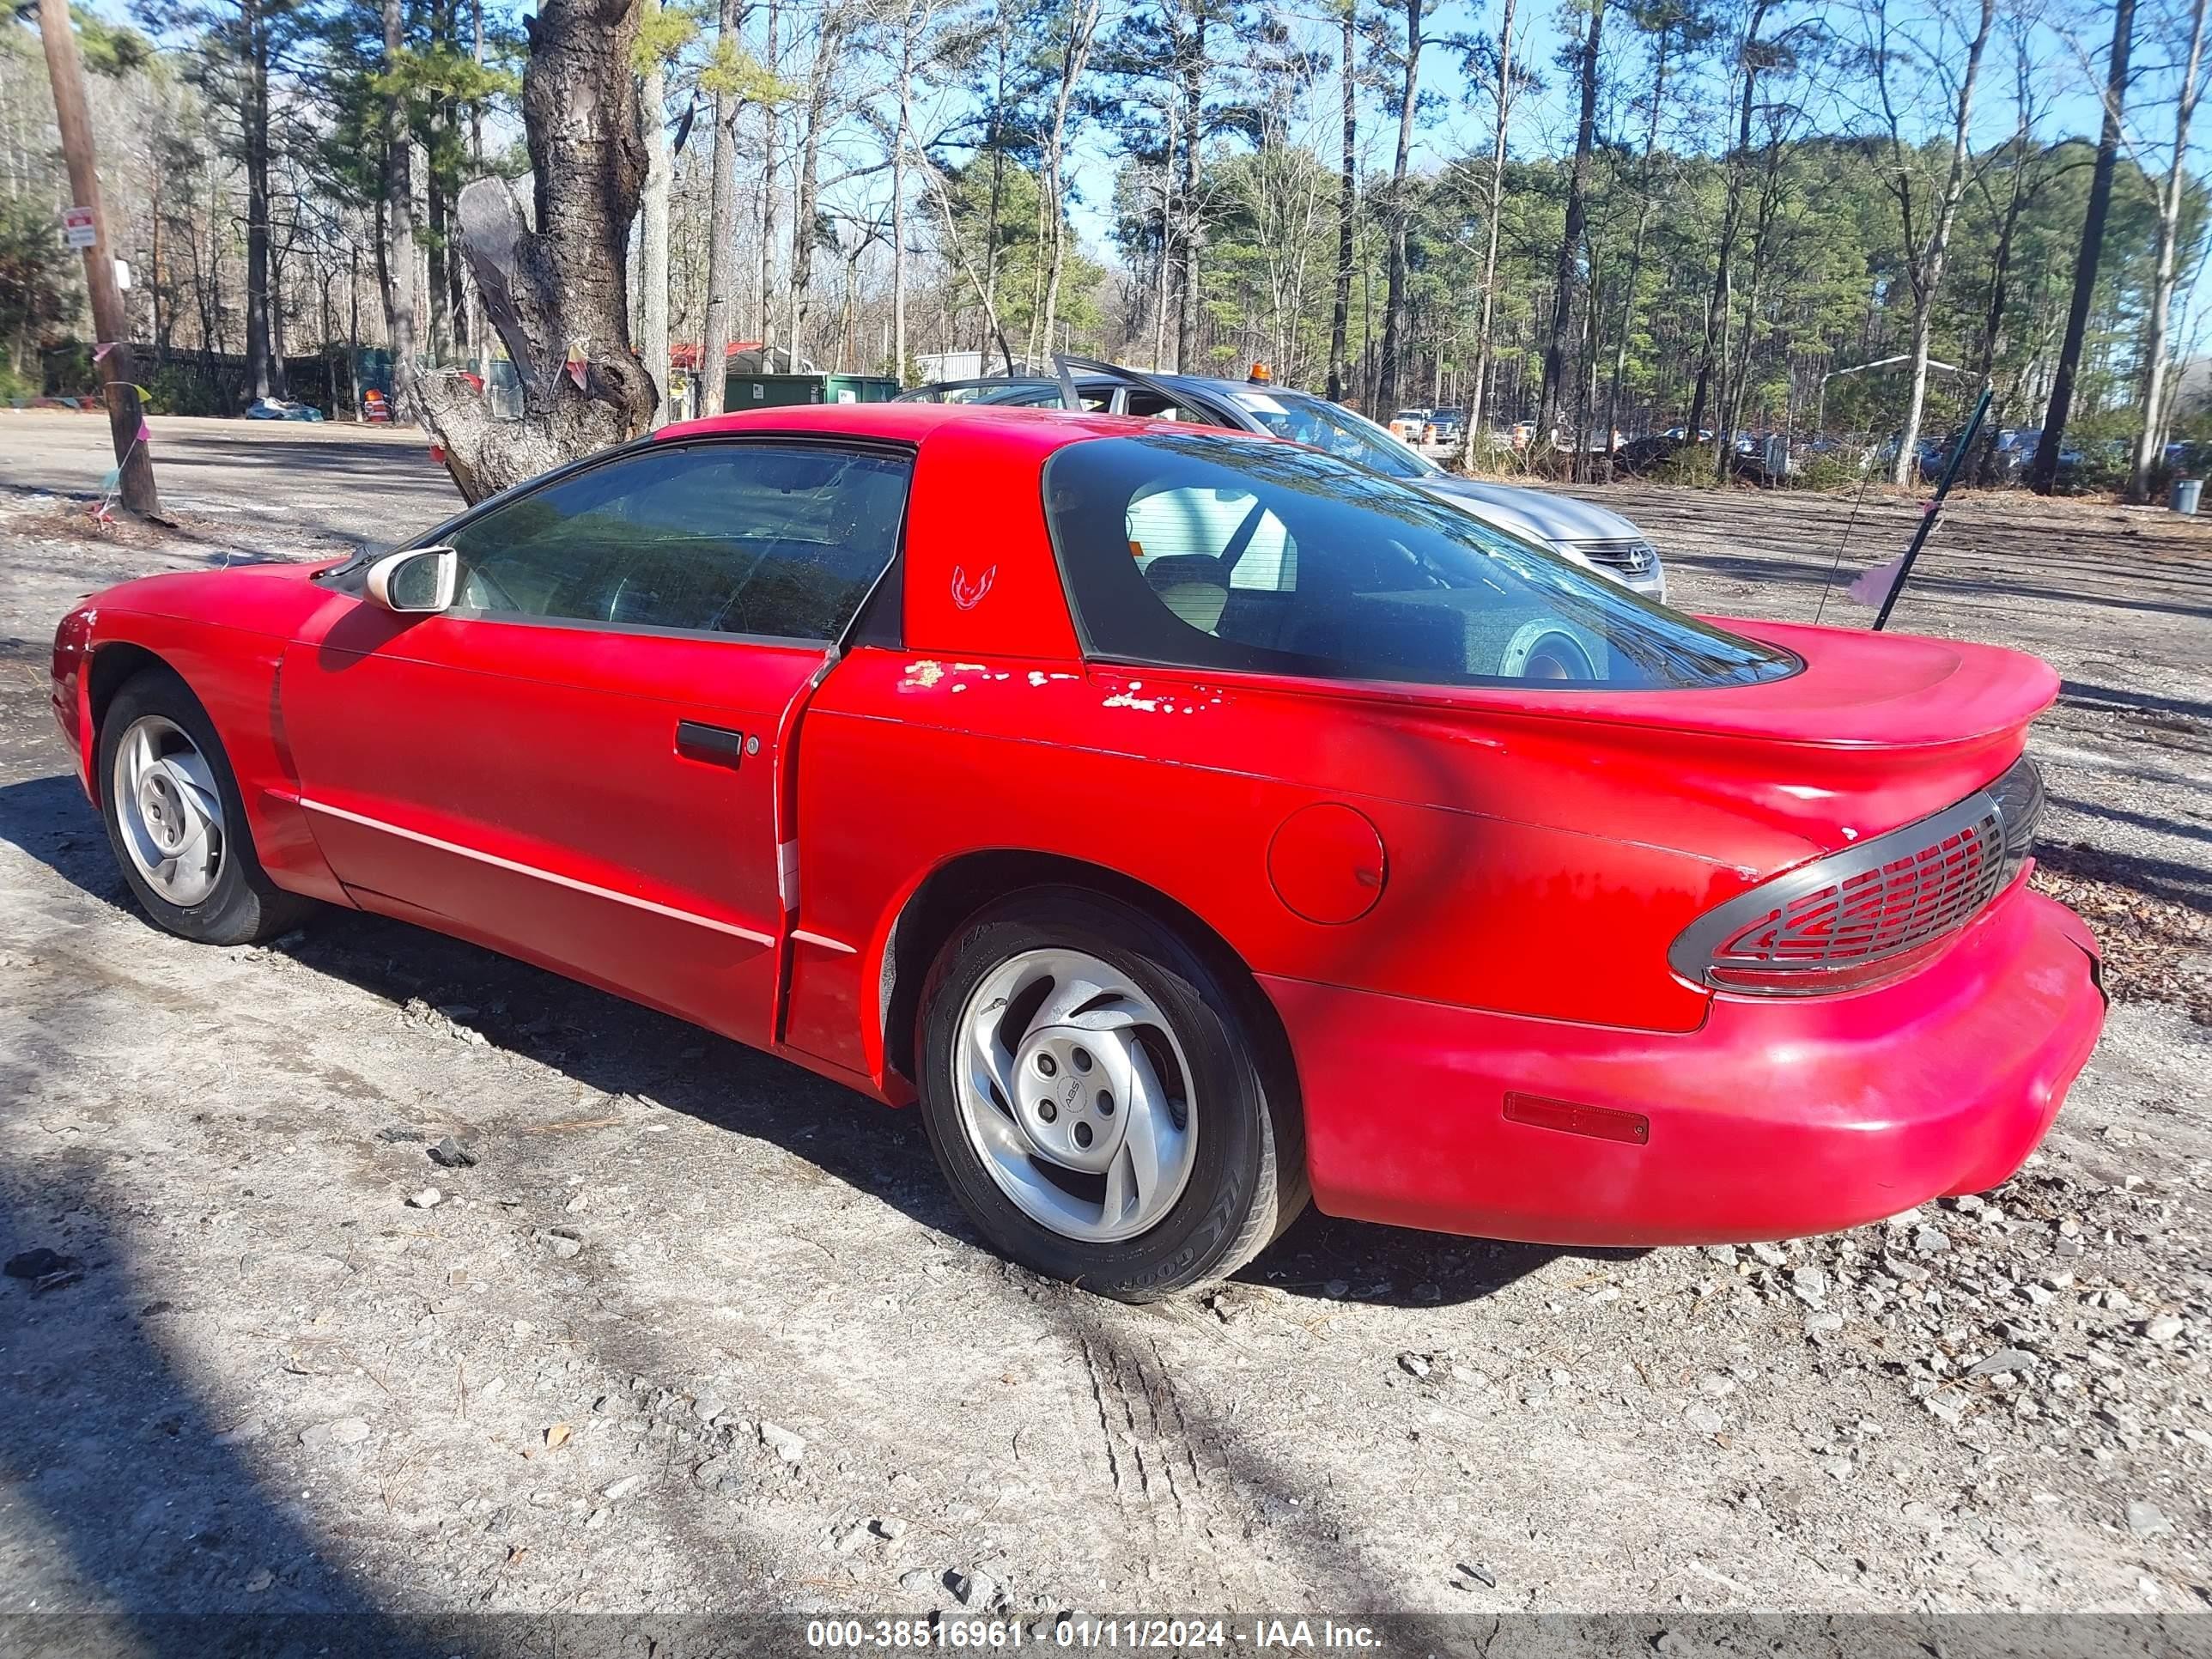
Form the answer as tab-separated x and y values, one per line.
77	227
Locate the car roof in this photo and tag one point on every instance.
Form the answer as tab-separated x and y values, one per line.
1042	428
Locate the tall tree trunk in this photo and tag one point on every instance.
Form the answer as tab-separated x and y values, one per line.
1928	264
652	228
898	192
1647	194
1489	314
439	238
1993	314
2150	446
352	333
478	333
1549	394
1394	301
2043	476
805	197
1162	276
1718	302
721	223
994	135
1347	202
564	286
398	245
1082	30
162	320
771	128
262	371
1193	124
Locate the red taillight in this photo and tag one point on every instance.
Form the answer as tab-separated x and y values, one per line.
1873	912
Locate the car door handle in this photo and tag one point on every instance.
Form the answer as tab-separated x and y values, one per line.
717	745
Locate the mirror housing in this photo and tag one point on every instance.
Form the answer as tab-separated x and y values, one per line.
418	581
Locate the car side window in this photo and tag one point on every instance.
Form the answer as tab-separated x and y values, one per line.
771	539
1150	405
1184	540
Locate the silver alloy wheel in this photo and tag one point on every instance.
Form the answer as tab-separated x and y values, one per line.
170	812
1076	1095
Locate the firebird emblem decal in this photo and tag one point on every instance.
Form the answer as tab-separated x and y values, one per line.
968	595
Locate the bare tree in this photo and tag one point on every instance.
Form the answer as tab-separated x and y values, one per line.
1925	221
1399	212
2150	444
2043	473
1571	239
1501	89
652	224
1347	198
723	77
902	123
1079	29
834	24
771	129
396	265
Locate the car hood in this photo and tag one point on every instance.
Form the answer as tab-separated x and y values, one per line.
1533	512
271	598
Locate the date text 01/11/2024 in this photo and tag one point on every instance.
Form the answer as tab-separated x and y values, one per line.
1090	1634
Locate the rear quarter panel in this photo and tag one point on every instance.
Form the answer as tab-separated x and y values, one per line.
1530	868
1543	848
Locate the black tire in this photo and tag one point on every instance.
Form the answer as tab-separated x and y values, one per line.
244	906
1247	1179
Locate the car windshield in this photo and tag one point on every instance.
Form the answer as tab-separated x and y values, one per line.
1320	424
1209	550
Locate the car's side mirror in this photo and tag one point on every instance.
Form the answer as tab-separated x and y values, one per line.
420	580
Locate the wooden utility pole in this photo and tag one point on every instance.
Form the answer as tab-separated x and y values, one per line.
125	414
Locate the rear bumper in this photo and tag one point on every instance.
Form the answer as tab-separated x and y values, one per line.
1776	1119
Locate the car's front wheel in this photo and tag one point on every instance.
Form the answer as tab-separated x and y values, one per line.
1097	1102
177	822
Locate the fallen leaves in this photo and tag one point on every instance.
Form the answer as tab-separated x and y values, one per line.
2156	949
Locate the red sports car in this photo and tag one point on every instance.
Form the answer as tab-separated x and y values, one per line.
1190	822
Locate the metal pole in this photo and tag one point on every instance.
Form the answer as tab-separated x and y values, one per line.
124	413
1928	519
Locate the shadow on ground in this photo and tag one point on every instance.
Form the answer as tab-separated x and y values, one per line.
154	1507
618	1049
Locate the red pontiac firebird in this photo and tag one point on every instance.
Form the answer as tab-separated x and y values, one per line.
1190	822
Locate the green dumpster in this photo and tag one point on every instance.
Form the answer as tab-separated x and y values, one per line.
743	391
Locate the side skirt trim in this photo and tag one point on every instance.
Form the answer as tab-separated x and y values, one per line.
558	879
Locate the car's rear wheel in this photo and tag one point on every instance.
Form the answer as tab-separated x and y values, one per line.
1098	1101
177	822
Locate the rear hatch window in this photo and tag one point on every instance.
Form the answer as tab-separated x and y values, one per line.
1198	550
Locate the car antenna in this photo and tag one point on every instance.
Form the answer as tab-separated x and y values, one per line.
1951	466
1880	585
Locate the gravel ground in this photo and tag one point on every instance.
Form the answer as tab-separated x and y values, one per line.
389	1277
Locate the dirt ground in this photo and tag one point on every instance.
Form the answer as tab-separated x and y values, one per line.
698	1331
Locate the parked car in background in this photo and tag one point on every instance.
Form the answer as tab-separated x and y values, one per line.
1409	425
1446	426
281	409
1586	534
1640	455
